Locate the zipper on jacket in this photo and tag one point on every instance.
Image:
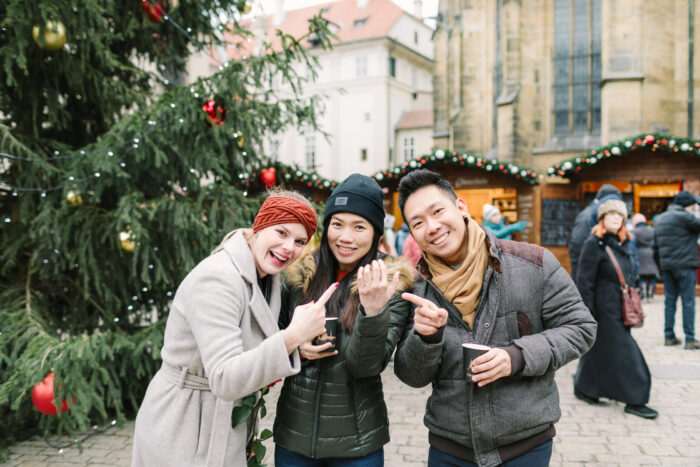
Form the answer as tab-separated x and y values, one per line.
317	407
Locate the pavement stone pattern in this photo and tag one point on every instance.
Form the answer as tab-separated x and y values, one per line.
601	435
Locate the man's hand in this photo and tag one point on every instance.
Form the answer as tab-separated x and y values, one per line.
428	318
489	367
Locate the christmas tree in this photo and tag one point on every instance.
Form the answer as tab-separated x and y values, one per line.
115	181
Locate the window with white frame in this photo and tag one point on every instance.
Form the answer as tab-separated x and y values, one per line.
409	148
310	137
361	66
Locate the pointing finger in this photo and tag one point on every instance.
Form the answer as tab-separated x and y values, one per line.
420	301
327	294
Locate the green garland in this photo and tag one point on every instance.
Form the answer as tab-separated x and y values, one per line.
442	157
285	174
655	141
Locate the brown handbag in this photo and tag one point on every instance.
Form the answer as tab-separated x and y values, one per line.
632	313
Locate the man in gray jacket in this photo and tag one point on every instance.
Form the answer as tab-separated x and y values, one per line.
676	249
511	296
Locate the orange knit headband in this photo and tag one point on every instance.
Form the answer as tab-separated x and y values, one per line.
284	210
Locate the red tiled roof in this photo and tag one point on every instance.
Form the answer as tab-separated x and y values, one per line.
381	15
416	119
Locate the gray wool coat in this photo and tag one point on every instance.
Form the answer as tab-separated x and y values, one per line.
222	343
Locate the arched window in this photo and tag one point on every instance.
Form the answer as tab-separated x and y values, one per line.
577	66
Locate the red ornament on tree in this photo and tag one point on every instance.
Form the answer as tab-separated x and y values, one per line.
216	113
649	139
155	10
268	177
42	397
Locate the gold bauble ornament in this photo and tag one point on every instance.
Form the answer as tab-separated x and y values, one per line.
54	37
127	240
74	198
245	9
241	142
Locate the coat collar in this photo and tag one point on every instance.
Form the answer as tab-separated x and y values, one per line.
266	315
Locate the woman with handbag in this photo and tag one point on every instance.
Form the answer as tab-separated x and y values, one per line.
614	367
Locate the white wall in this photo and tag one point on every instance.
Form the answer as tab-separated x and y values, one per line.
351	98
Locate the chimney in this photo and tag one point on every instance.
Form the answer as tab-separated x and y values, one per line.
279	15
362	3
418	9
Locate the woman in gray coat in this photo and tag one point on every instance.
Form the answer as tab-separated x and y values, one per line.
222	342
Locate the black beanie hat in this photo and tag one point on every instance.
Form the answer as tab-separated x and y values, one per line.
684	199
607	190
358	194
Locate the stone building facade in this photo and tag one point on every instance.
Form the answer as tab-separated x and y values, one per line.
536	81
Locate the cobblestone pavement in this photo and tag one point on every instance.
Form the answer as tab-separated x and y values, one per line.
586	435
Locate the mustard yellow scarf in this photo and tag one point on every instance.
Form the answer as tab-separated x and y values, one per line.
462	286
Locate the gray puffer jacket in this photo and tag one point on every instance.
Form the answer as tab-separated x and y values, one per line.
527	301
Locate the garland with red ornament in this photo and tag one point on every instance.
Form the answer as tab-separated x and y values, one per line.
443	157
653	141
281	174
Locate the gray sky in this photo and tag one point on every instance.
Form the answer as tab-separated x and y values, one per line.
268	6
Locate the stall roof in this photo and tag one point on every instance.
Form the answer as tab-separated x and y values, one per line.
652	141
285	174
444	157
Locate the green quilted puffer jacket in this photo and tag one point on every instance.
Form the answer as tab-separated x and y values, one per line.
335	406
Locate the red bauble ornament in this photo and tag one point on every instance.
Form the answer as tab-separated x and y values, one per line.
155	10
215	113
42	397
268	177
649	139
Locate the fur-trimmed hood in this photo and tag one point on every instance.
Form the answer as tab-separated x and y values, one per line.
300	273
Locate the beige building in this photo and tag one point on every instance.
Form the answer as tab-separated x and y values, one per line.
537	81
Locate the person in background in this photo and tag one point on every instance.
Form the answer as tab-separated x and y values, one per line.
411	250
511	296
615	367
222	342
389	239
496	222
584	223
676	248
648	270
333	412
401	236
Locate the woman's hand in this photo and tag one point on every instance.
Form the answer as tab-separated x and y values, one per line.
313	352
374	288
308	321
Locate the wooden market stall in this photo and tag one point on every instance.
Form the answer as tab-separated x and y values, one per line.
477	180
648	169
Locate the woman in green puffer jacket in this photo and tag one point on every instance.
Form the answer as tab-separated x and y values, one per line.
333	410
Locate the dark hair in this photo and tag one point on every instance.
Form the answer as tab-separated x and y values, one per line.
327	272
418	179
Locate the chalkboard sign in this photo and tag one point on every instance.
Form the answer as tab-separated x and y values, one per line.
558	217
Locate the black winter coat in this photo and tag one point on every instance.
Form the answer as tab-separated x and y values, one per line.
644	237
335	406
579	233
676	239
614	367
